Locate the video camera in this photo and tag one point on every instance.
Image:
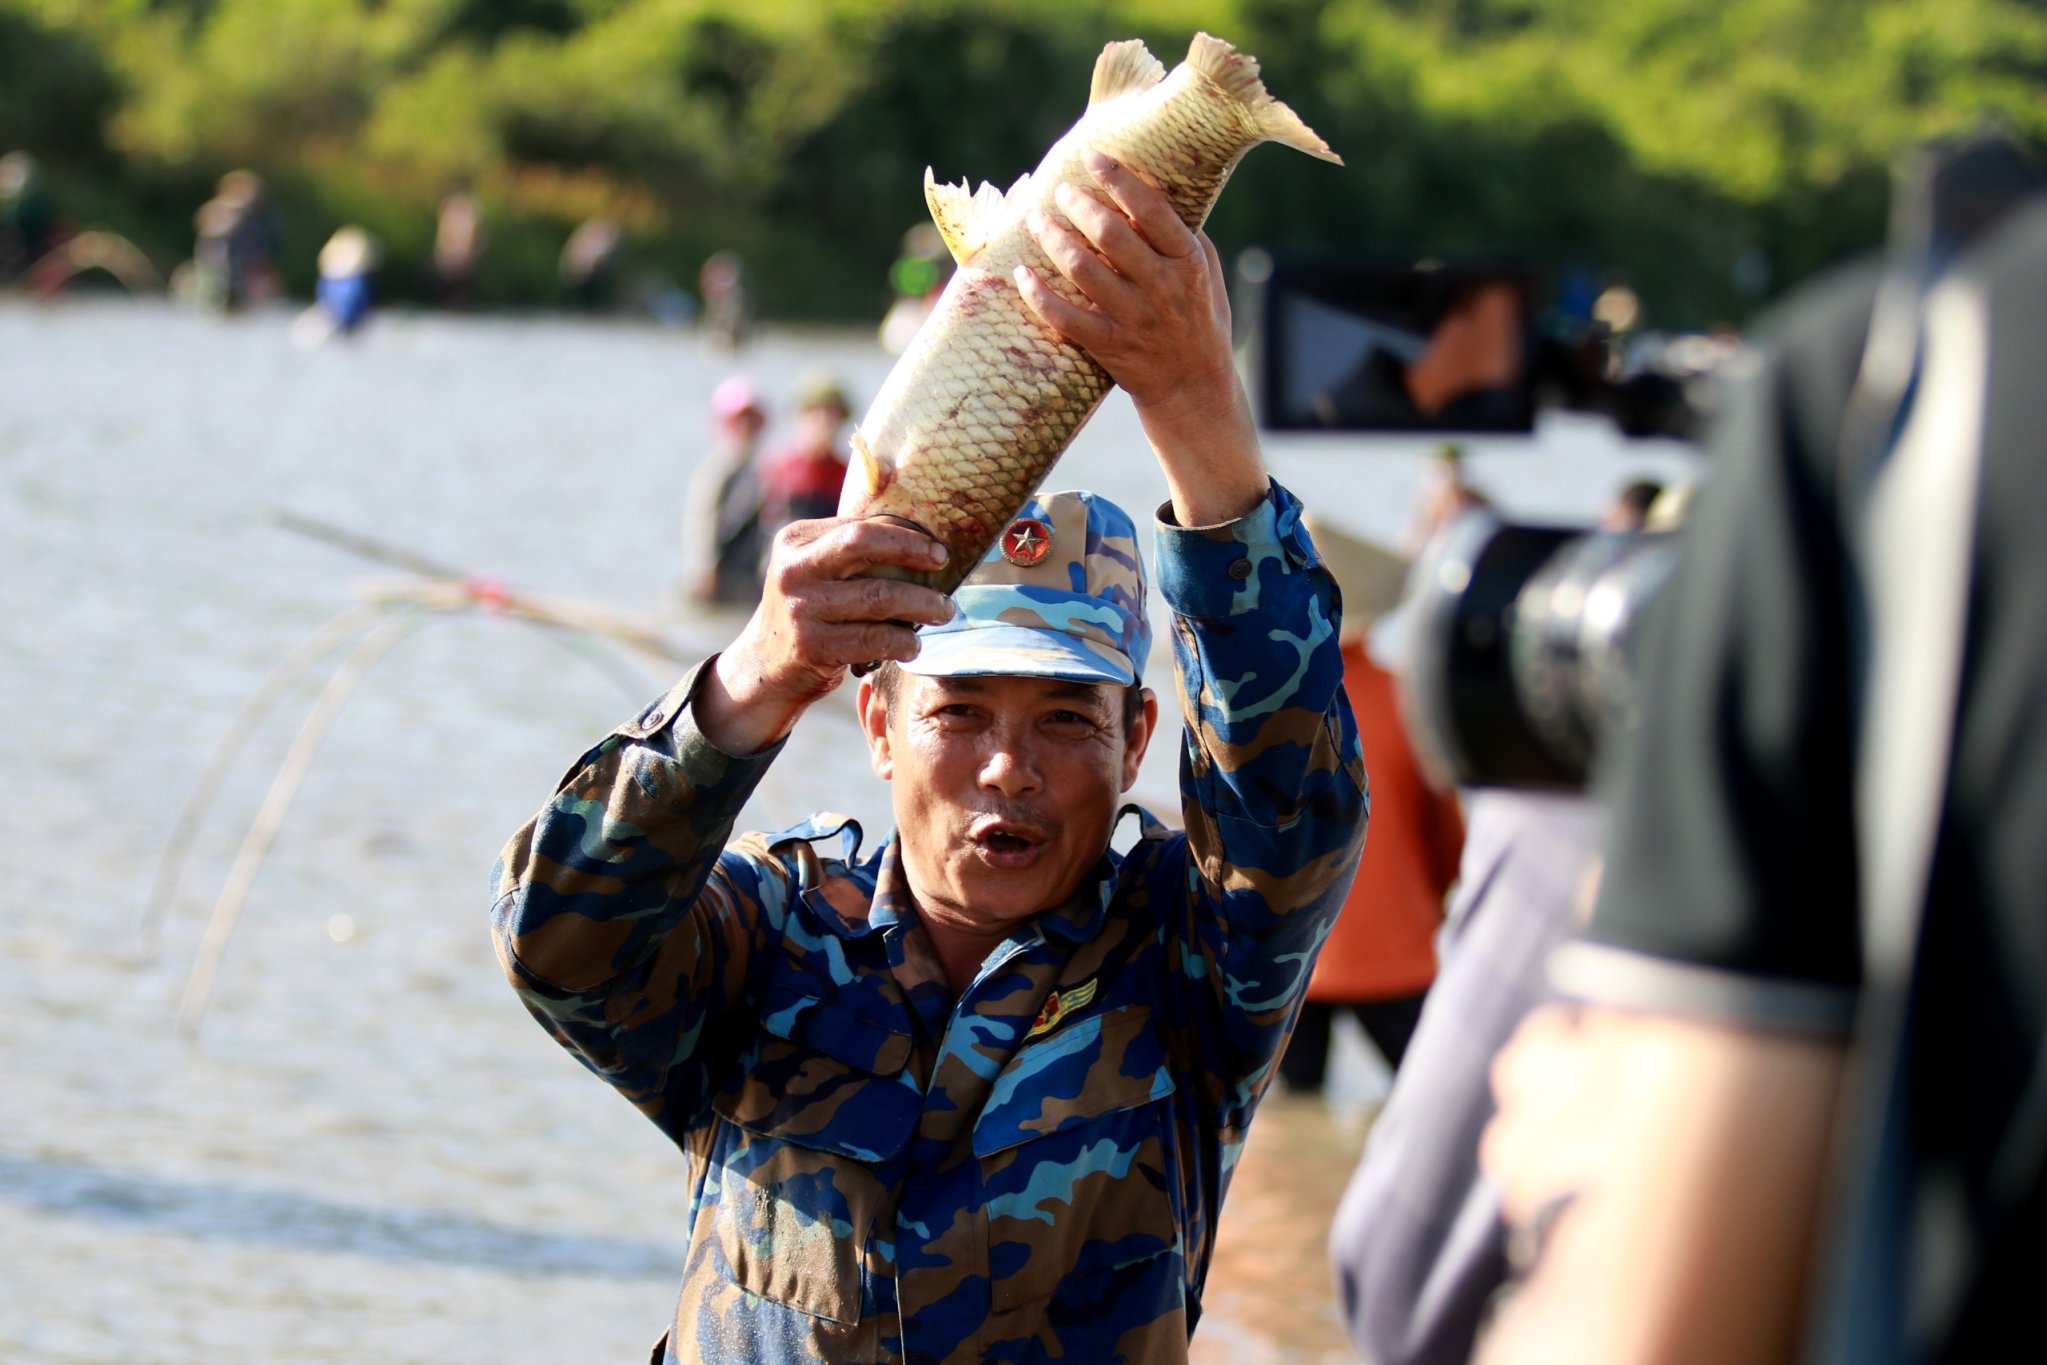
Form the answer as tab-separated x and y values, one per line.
1519	636
1450	348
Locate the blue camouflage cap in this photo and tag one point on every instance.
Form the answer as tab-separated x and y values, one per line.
1059	595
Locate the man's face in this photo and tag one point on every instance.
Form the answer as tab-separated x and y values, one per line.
1005	788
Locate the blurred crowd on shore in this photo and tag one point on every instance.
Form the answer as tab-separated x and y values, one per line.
239	255
239	245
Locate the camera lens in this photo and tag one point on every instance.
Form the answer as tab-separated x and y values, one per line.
1520	648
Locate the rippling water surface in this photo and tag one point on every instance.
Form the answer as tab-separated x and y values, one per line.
372	1154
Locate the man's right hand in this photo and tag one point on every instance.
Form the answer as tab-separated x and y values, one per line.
817	618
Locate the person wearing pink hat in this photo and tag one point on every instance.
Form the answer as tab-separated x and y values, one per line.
722	532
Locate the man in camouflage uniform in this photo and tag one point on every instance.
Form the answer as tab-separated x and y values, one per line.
977	1095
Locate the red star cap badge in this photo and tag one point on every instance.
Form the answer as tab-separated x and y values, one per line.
1026	542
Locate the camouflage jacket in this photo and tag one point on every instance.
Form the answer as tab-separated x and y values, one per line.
877	1172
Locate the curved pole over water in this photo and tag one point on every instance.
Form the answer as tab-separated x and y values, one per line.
220	926
295	665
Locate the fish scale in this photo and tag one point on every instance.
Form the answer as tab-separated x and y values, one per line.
986	397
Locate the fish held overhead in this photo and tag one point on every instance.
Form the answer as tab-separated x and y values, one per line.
987	397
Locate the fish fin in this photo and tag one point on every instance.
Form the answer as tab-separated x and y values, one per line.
865	479
1123	68
952	209
989	202
963	219
1237	73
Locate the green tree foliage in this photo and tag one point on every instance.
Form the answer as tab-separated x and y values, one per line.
1693	147
56	91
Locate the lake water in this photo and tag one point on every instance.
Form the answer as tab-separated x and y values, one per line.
372	1154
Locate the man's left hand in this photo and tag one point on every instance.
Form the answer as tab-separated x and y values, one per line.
1543	1143
1155	314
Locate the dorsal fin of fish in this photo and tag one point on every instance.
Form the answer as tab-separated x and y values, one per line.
1122	69
1237	73
965	220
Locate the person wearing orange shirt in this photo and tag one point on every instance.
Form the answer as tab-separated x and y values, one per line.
1381	956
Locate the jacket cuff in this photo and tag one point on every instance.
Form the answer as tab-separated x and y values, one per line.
669	726
1222	570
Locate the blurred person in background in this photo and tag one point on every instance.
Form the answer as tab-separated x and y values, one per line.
348	264
240	238
721	541
459	241
727	314
917	277
1445	495
27	219
801	480
591	261
1801	1109
1380	957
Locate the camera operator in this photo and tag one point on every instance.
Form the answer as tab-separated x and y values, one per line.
1418	1242
1818	966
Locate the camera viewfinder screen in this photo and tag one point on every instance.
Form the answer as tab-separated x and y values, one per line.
1365	348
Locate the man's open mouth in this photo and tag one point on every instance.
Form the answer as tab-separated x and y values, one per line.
1004	841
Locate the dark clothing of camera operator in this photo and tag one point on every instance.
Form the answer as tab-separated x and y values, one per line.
1686	1122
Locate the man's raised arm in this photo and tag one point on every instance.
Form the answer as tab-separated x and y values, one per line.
1273	780
1157	318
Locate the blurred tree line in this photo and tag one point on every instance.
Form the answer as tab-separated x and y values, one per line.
1709	152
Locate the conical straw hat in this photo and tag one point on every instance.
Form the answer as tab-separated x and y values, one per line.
1371	577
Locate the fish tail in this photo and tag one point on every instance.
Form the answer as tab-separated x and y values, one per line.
1237	74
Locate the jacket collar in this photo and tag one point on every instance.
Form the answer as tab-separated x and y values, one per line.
873	896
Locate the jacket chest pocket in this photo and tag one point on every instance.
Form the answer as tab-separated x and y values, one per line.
1077	1157
803	1164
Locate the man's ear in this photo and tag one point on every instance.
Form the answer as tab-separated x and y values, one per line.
873	709
1138	737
